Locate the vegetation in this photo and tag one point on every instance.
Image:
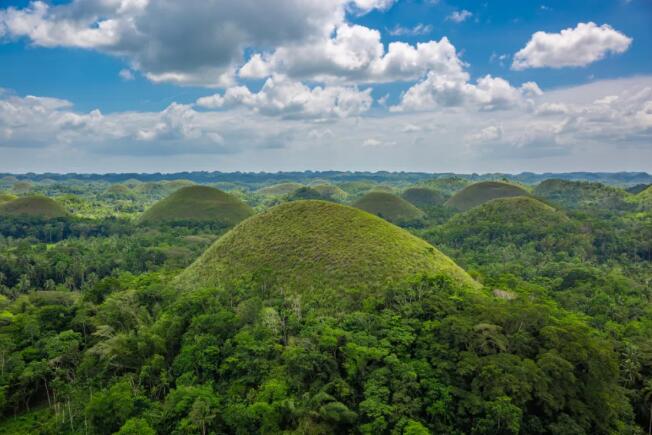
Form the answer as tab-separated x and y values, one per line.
315	317
479	193
33	206
390	207
198	204
575	195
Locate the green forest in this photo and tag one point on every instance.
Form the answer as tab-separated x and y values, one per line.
326	303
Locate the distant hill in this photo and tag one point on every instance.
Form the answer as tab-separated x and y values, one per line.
305	192
304	246
479	193
280	189
574	195
423	197
447	185
330	191
33	206
390	207
198	204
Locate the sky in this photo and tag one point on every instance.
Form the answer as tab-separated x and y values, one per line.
278	85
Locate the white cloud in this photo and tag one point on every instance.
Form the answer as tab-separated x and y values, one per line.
419	29
553	131
488	93
191	42
459	16
355	54
126	74
585	44
487	134
290	99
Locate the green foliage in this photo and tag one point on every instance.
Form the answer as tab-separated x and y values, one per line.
389	207
575	195
318	318
197	204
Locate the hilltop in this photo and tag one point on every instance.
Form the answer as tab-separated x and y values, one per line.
330	191
280	189
198	204
307	245
389	206
423	197
479	193
33	206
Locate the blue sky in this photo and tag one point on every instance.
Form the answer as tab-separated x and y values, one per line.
140	85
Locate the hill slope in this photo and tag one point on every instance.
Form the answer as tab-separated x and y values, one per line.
479	193
198	204
389	206
33	206
306	245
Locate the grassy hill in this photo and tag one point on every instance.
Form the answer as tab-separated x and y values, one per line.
33	206
198	204
479	193
389	206
279	189
330	191
119	190
303	193
305	245
423	197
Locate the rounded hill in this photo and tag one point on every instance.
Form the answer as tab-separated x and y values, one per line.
198	204
389	206
423	197
330	191
33	206
479	193
306	245
280	189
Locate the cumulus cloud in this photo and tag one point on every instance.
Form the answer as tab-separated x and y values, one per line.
355	54
572	47
291	99
194	42
489	93
611	120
